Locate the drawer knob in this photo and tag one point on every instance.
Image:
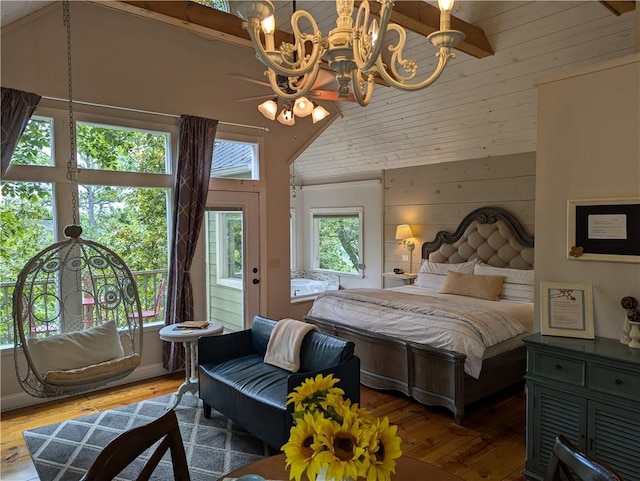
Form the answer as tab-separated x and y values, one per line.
618	382
558	367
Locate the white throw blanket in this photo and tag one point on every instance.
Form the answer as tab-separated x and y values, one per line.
283	349
423	319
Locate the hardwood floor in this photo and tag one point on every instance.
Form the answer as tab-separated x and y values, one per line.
490	446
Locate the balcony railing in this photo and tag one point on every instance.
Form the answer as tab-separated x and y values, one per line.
149	283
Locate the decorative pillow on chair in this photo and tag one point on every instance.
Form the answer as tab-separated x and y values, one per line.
472	285
433	274
518	284
76	349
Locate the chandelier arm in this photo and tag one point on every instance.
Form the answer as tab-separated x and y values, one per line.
444	55
363	96
363	55
308	81
273	59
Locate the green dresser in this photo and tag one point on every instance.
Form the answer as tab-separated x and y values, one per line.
588	390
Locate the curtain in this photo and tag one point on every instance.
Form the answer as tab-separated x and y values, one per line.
195	153
17	108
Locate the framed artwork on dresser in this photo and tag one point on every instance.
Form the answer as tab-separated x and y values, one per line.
604	230
566	310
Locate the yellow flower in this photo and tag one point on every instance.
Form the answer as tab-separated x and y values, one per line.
343	449
308	394
384	449
332	433
299	450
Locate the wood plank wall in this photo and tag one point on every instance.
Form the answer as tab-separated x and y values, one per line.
436	197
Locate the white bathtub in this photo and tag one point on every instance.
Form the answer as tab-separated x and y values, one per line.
307	287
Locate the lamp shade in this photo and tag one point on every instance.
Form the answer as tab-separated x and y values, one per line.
302	107
268	108
286	117
319	113
403	231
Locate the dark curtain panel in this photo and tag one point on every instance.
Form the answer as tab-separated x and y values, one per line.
17	108
195	152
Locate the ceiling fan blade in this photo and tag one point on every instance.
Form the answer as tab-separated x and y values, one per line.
330	95
256	97
325	78
246	78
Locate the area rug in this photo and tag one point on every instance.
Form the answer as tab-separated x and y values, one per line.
215	446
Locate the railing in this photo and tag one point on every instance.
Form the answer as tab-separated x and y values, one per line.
148	282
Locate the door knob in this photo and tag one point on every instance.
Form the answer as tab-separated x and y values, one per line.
256	281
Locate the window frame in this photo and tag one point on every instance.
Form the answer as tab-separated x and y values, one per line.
221	258
315	213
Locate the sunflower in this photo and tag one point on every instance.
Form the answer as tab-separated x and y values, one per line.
311	391
342	449
299	450
384	449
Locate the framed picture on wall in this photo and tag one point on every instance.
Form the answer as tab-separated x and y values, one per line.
566	310
604	230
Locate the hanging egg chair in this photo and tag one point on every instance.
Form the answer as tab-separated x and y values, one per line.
77	318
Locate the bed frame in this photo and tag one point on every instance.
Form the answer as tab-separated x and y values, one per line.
436	377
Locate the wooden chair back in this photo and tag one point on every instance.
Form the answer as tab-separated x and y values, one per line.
128	446
567	463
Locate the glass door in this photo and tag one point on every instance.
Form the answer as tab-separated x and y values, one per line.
232	258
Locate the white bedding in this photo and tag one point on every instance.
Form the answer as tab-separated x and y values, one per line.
474	327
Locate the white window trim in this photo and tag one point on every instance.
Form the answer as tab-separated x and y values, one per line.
315	257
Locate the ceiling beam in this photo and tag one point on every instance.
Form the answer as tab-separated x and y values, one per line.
620	7
424	19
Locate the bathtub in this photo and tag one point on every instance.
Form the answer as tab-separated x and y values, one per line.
307	287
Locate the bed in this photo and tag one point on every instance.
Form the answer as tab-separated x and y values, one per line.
419	341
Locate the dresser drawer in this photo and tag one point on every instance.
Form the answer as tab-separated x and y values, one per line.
614	381
559	368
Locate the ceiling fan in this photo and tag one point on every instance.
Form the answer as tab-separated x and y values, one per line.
324	88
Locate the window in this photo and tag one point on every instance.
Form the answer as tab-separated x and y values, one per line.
123	196
235	160
229	252
336	240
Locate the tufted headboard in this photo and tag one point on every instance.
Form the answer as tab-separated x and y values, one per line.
490	234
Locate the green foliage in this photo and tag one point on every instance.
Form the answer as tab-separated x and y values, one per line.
339	239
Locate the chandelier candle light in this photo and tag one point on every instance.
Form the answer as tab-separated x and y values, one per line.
352	50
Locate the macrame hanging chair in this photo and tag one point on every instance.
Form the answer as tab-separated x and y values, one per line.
76	310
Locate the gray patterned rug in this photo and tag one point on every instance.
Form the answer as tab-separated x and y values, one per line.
64	451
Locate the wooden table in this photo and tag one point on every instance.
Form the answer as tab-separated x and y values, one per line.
407	469
189	339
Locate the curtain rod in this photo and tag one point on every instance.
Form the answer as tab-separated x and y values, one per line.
138	111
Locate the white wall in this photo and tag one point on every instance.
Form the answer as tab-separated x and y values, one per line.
366	194
588	148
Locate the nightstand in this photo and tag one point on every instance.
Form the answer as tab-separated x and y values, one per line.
406	278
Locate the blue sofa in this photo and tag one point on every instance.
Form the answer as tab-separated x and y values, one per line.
234	380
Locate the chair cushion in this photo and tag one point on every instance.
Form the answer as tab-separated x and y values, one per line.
77	349
253	378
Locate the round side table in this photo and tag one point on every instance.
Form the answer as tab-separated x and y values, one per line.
189	339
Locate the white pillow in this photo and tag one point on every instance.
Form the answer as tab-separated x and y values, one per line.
76	349
432	275
518	284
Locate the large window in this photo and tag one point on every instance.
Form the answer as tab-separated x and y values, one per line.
336	240
122	193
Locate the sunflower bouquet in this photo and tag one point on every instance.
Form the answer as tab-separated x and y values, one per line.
335	438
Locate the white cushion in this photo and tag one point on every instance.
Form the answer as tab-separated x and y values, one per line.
432	275
76	349
94	373
518	284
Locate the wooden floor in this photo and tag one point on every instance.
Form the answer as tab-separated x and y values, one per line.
490	446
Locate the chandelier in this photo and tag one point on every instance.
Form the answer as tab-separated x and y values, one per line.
352	50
